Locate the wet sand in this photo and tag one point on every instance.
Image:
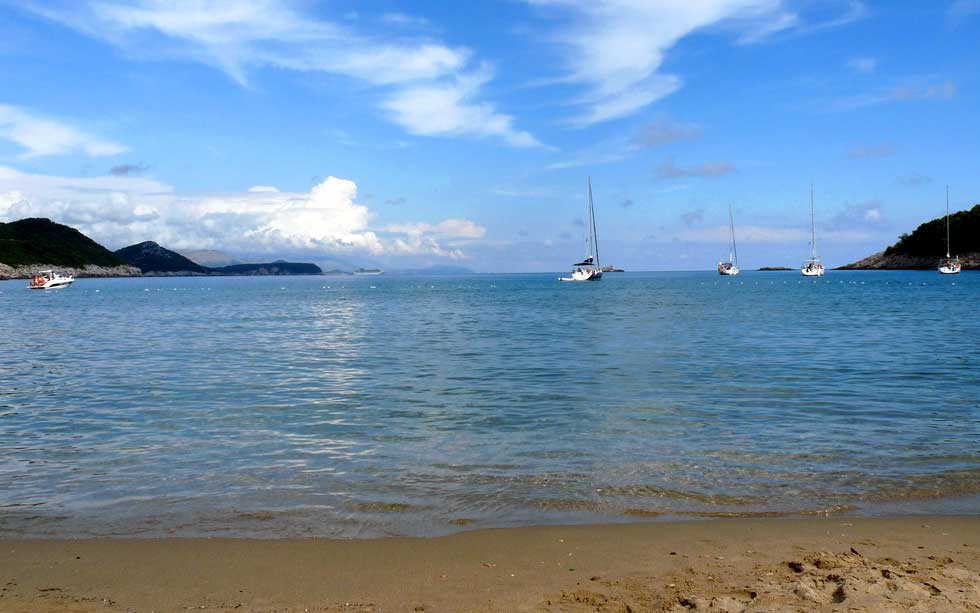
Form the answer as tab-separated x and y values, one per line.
832	564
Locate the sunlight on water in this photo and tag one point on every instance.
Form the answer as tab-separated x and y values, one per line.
411	405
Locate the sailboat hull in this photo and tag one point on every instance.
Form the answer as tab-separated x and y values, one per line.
949	270
582	275
812	272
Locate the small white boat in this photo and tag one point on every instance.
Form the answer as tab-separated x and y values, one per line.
951	265
588	269
48	279
730	268
813	267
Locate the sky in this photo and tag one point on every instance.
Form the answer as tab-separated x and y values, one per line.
430	133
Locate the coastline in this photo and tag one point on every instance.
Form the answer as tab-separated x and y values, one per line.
828	564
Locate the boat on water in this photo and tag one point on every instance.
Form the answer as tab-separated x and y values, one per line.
951	265
48	279
369	272
588	269
813	267
730	268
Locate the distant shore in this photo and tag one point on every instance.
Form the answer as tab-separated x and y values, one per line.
921	563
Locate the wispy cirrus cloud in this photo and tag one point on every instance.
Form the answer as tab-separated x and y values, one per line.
615	49
241	37
911	90
668	169
41	136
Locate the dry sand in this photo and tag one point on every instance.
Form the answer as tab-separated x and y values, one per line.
834	564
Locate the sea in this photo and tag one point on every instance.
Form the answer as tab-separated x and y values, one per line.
424	405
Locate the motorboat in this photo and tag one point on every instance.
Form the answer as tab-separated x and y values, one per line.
48	279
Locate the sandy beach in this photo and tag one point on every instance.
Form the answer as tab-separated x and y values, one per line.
831	564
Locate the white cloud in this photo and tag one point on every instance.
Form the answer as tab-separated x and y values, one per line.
260	189
450	108
44	136
121	210
618	46
910	90
241	36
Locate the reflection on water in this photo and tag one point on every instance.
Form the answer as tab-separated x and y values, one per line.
410	405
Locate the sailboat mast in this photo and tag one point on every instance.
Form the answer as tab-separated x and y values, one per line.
947	222
813	228
595	239
731	225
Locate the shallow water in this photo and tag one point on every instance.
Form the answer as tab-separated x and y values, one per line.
421	405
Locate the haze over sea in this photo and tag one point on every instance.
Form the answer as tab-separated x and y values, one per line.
415	405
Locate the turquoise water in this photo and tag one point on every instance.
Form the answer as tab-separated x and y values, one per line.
424	405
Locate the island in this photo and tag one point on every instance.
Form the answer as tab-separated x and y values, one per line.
33	244
156	261
775	268
923	248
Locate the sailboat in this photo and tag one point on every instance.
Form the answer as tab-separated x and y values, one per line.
951	265
813	267
730	268
588	269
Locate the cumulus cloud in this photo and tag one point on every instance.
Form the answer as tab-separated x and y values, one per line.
121	210
41	136
243	36
669	170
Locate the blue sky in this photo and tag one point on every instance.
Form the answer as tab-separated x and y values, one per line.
414	134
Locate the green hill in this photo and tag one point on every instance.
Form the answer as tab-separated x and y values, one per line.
151	257
923	248
930	238
41	241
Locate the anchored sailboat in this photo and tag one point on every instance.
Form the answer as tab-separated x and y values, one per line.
951	265
813	267
588	269
730	268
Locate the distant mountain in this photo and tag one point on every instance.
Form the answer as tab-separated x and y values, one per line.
151	258
210	257
155	260
42	241
271	268
434	270
923	248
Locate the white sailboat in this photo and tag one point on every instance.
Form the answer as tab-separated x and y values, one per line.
951	265
588	269
730	268
813	267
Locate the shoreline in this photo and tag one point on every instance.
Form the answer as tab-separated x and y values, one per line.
839	563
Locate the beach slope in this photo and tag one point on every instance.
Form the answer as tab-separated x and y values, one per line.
832	564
